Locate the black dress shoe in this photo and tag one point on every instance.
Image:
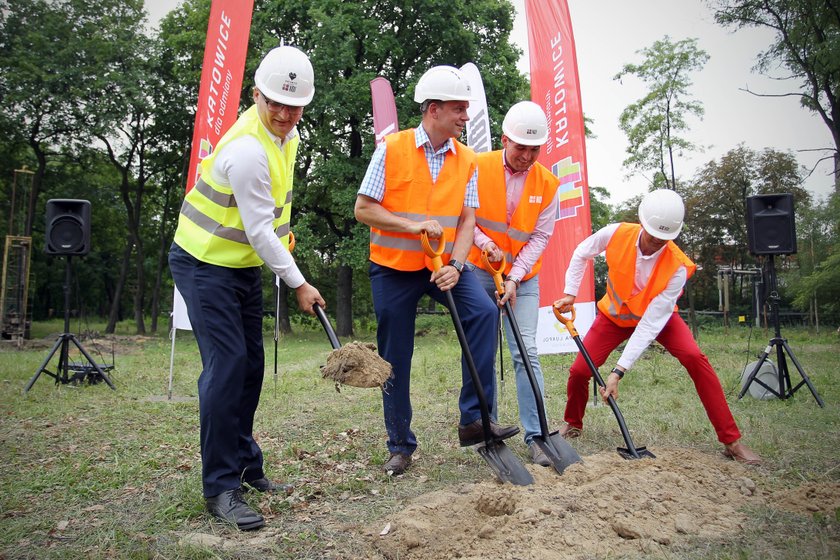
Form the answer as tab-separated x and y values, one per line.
265	485
473	433
230	507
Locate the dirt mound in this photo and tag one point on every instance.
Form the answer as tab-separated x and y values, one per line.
604	507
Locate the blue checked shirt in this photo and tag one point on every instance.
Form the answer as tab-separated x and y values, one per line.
373	185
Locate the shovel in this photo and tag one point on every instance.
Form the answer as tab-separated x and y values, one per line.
505	464
631	451
559	452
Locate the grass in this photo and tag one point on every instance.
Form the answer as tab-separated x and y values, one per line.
95	473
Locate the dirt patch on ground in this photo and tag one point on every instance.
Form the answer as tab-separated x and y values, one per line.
810	498
604	507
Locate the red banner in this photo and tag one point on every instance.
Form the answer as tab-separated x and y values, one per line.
384	109
555	87
221	77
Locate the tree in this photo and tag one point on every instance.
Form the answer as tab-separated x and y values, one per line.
806	45
654	123
350	43
715	233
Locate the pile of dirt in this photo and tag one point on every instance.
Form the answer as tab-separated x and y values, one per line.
606	506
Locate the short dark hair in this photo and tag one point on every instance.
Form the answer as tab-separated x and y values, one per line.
424	106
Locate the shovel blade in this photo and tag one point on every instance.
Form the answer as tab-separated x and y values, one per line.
505	464
640	453
559	451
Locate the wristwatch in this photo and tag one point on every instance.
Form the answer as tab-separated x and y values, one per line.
618	372
515	280
457	265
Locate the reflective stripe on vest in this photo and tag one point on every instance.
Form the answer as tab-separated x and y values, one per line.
619	304
410	193
491	216
210	227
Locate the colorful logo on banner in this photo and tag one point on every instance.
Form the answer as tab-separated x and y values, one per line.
570	192
555	87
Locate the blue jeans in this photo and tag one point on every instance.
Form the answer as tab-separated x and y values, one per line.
395	297
526	312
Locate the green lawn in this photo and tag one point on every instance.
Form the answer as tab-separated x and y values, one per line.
95	473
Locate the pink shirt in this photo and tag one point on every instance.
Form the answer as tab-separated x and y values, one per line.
531	251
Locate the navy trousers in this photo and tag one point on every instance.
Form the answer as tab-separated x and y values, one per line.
225	309
395	297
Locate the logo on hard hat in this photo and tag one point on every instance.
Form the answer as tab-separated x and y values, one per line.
290	87
292	75
530	131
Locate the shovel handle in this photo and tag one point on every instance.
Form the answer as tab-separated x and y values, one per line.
494	271
433	254
319	311
568	322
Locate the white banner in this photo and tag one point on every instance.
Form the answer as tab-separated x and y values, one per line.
478	127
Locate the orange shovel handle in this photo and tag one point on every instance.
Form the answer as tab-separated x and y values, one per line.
433	254
568	322
496	272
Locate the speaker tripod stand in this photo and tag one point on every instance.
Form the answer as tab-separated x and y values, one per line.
62	344
786	388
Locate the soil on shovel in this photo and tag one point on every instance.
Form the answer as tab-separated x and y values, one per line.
605	507
356	364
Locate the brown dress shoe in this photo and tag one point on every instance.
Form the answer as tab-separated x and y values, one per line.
568	431
397	464
739	452
473	434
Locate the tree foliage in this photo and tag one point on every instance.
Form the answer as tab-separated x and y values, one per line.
654	123
807	45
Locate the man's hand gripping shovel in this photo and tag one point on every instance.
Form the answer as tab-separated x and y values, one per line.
558	450
631	451
505	464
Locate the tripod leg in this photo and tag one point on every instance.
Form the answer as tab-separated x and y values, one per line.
805	378
754	372
784	375
42	367
98	369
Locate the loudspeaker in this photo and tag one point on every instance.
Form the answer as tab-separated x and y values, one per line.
68	227
771	227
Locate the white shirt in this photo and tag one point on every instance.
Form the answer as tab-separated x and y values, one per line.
242	164
659	310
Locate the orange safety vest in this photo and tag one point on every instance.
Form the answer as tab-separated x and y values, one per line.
619	304
410	193
537	193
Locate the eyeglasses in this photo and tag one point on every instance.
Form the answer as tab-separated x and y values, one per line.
278	107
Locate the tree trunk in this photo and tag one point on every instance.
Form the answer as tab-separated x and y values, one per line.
140	290
114	315
692	315
344	301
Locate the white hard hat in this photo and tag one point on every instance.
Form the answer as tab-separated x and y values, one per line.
285	75
443	83
661	213
525	124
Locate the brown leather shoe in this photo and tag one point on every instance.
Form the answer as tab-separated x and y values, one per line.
473	433
568	431
739	452
397	464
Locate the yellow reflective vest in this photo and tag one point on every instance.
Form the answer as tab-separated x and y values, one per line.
210	227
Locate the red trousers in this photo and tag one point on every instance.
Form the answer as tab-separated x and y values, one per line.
605	336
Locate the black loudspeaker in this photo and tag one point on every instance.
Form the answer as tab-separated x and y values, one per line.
771	227
68	227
